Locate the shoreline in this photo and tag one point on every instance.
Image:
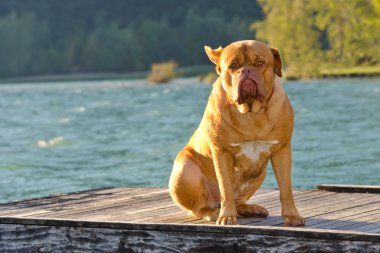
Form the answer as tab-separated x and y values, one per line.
194	71
337	73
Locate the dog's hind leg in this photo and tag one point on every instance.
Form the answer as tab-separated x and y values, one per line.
189	190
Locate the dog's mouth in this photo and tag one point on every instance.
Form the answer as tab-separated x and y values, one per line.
248	91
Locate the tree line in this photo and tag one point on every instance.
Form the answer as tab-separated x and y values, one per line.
55	37
320	34
89	36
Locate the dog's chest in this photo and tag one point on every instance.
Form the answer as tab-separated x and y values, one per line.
251	158
253	149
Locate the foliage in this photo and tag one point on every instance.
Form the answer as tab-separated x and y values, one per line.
209	78
55	37
19	50
314	34
93	36
162	72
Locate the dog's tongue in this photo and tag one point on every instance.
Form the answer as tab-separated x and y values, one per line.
247	90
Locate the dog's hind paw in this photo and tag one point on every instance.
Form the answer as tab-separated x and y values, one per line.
252	211
207	213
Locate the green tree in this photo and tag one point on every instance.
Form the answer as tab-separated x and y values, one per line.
211	28
111	48
352	28
53	36
23	39
158	40
314	35
288	26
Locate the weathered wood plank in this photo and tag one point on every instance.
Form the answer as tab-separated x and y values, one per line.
127	201
375	230
112	220
264	230
325	207
257	243
328	220
349	188
358	224
299	196
65	200
21	238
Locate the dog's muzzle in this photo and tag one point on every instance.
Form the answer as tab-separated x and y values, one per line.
247	91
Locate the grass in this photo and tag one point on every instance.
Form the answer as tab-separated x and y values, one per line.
352	70
357	71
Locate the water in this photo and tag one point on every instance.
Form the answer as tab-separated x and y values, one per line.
61	137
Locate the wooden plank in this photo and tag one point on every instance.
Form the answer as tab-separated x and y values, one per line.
323	208
306	214
298	197
365	228
257	243
62	197
93	206
376	230
361	223
306	210
132	215
32	238
160	210
144	210
274	205
232	230
326	220
121	208
149	212
51	196
124	221
52	204
66	200
72	239
349	188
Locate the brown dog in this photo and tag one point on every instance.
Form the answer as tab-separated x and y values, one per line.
248	120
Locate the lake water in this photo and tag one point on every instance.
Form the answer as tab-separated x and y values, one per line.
62	137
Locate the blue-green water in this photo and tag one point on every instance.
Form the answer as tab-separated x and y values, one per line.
61	137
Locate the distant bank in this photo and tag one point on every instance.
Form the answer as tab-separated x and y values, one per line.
199	70
349	72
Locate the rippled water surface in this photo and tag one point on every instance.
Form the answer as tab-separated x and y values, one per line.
61	137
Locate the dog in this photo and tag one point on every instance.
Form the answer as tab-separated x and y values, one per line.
247	122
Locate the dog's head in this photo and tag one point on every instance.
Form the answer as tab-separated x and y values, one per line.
247	70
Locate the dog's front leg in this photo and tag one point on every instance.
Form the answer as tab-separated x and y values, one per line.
282	162
223	163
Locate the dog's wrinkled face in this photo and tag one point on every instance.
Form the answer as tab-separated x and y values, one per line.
247	70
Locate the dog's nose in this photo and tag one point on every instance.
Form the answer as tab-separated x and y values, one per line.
246	70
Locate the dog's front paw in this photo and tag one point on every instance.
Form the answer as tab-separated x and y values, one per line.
227	218
294	221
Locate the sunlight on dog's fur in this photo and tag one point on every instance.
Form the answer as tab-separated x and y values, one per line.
247	122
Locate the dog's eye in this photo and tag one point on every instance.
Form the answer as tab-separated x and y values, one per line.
233	66
260	63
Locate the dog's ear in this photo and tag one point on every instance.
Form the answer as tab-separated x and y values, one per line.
277	62
214	56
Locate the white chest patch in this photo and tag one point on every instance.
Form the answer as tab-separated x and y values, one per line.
253	149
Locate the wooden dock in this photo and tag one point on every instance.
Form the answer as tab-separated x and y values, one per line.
338	219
